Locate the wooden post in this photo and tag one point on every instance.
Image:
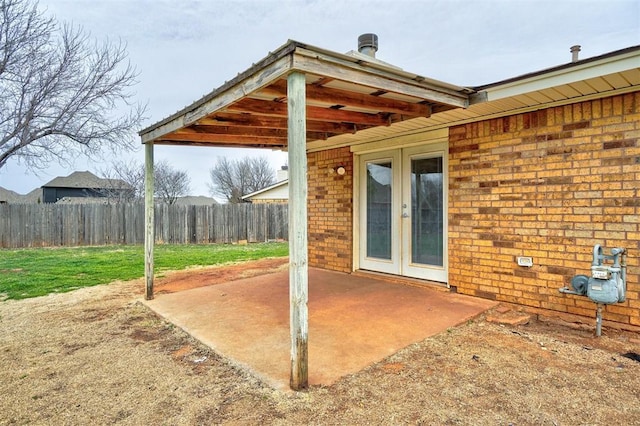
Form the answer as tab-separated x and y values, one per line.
149	217
298	266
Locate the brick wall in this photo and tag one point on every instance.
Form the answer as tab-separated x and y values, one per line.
547	184
330	210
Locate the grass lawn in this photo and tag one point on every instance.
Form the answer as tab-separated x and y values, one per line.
36	272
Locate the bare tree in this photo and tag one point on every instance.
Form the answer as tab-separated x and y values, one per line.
123	173
60	91
234	179
170	184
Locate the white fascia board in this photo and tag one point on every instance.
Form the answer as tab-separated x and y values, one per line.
565	76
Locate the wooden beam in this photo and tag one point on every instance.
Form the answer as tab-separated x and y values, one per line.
251	84
249	131
355	99
233	131
323	81
149	218
312	62
249	120
279	109
269	122
298	262
182	135
221	144
221	98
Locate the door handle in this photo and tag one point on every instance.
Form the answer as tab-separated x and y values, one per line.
405	214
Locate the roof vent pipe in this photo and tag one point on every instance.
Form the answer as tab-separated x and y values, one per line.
574	52
368	44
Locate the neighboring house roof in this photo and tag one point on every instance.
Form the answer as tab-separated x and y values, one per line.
35	196
193	200
12	197
278	191
9	196
86	180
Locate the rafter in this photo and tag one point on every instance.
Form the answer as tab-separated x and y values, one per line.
353	99
236	119
323	81
270	122
165	141
277	109
248	131
327	66
222	138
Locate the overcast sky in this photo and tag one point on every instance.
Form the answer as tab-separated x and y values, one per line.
185	49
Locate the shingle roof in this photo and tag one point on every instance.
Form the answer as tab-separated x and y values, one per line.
8	196
85	180
12	197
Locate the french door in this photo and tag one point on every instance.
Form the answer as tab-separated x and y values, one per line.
403	212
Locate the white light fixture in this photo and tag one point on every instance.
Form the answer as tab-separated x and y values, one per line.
341	170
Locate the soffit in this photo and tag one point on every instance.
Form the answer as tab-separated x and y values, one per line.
516	97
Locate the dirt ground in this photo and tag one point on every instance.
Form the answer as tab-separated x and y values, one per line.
98	356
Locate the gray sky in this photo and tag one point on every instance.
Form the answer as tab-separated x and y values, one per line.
185	49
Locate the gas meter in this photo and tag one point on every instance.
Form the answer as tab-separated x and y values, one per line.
607	284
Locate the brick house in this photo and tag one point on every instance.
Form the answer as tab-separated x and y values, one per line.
443	184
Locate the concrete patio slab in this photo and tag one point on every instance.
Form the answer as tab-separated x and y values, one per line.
354	321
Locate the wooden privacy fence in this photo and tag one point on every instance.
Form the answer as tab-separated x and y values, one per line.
38	225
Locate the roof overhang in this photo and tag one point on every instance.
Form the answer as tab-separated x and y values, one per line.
345	94
613	73
352	99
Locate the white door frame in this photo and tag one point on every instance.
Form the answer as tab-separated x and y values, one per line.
391	266
417	270
399	264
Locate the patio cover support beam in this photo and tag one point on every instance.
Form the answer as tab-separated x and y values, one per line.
306	61
149	235
298	265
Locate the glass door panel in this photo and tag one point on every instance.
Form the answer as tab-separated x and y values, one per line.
424	223
379	212
379	208
427	211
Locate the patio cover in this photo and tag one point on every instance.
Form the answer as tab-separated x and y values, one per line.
345	93
296	95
